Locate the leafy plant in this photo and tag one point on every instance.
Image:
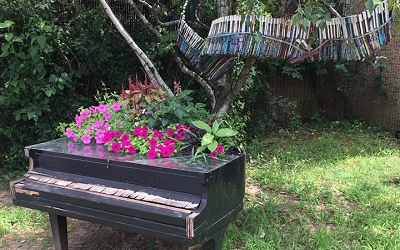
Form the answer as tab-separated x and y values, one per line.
179	108
215	139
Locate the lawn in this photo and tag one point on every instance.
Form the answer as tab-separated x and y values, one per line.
335	186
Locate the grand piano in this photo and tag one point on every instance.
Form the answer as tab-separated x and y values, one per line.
190	202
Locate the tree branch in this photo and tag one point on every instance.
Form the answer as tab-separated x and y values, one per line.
330	8
155	13
145	61
177	59
229	95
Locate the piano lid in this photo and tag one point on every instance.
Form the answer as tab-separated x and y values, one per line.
69	148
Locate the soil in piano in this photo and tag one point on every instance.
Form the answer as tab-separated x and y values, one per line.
82	235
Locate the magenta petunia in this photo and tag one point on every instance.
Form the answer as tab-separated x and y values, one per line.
107	137
86	139
171	148
126	144
116	134
152	154
102	108
115	107
165	153
69	132
157	134
84	114
213	154
137	131
125	137
131	149
116	146
220	148
152	142
169	132
179	136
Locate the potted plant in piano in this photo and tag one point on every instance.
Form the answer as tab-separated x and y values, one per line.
140	161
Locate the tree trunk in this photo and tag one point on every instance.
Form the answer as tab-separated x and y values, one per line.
151	71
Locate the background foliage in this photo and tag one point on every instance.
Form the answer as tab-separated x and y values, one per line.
56	56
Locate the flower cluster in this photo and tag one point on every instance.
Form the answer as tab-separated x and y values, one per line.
94	122
151	125
147	141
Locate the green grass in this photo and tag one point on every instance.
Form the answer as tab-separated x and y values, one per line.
336	187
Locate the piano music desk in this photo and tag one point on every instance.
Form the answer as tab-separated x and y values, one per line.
170	198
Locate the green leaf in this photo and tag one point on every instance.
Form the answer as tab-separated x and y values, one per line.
215	127
212	146
4	49
202	125
9	36
6	24
226	132
179	113
41	40
151	121
207	139
200	149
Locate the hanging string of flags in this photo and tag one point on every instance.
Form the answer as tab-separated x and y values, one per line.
353	37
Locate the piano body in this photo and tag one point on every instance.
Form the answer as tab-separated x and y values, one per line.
170	198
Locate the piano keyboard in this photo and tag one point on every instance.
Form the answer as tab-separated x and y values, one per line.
111	192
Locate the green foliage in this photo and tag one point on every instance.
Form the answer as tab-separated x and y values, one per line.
215	135
177	109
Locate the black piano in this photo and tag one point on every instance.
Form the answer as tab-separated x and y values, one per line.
190	202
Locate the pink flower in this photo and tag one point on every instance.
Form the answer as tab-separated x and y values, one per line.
106	125
78	121
89	129
84	114
125	137
170	132
115	107
137	131
220	148
213	154
86	139
107	115
75	137
92	109
151	154
131	149
98	124
69	132
115	147
102	108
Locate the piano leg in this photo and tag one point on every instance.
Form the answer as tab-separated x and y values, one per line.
216	242
59	229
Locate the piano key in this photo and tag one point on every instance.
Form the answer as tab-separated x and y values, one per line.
109	190
63	183
97	188
141	195
82	186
